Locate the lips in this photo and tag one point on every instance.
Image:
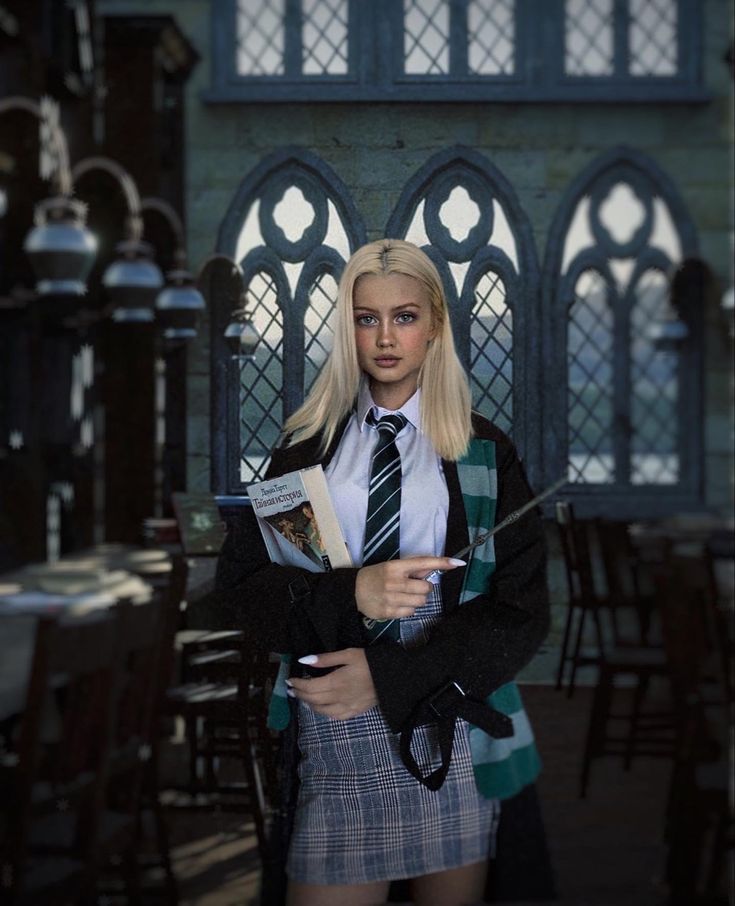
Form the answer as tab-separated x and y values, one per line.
386	361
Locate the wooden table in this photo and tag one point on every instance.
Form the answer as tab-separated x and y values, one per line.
688	534
137	573
125	568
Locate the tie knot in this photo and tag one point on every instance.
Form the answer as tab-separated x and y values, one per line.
388	424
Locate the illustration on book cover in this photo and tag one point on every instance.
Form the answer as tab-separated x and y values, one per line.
299	526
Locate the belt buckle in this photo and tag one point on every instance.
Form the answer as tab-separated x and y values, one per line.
447	688
298	589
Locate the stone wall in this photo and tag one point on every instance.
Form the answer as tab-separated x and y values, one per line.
540	148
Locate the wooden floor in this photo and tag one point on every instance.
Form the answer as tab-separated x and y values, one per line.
607	849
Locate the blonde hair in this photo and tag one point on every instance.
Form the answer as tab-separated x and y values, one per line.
445	394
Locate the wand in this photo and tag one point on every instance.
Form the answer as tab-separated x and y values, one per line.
434	575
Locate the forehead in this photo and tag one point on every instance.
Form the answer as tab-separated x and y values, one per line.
375	290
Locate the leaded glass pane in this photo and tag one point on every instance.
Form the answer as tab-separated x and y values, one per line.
426	37
589	41
317	330
491	37
459	213
324	37
293	213
622	213
653	37
654	386
491	352
261	382
590	373
260	37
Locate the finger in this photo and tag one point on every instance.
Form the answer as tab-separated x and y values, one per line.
418	586
318	701
404	606
403	613
298	685
329	658
417	564
306	693
311	685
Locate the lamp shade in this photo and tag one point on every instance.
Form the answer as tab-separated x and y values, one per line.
132	282
60	247
241	335
178	306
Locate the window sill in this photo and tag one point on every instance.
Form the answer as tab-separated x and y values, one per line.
425	91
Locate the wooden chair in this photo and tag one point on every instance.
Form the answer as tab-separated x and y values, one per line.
132	743
581	598
699	827
635	631
169	600
614	655
55	791
223	712
218	703
629	590
201	652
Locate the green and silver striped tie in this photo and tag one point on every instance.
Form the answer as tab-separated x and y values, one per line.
382	526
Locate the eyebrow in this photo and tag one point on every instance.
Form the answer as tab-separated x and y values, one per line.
401	307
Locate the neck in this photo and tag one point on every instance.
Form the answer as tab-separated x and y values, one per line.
388	397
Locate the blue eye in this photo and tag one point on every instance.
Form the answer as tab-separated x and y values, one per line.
406	317
365	320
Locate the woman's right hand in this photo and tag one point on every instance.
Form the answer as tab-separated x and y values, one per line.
394	589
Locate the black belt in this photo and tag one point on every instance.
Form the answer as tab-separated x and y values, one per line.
443	708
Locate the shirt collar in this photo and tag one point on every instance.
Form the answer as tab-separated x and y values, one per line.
410	409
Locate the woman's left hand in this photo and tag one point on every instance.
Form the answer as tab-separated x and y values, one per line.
341	694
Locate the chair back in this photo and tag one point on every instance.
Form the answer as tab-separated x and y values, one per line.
65	732
692	630
622	572
136	703
577	556
171	605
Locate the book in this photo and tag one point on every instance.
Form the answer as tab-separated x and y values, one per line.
71	578
298	522
201	526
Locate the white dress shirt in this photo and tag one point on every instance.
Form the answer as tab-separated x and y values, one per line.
424	494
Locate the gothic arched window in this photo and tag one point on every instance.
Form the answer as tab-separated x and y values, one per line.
465	214
621	402
290	227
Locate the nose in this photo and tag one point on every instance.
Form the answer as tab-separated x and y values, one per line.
385	334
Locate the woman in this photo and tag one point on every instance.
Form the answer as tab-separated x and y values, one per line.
395	670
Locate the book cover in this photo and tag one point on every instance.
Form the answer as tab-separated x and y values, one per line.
201	526
298	522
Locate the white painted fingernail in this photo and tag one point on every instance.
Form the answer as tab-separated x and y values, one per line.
289	683
309	659
290	693
455	562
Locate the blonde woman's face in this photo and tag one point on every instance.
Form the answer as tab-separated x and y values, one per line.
393	328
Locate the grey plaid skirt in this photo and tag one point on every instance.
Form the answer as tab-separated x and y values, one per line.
362	817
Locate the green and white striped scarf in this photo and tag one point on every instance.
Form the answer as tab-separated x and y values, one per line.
502	766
